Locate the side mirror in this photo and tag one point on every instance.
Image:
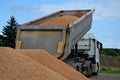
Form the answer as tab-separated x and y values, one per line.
99	45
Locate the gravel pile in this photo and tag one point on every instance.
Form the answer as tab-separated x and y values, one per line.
16	66
59	21
54	64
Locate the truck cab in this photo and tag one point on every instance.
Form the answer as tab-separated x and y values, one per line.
84	55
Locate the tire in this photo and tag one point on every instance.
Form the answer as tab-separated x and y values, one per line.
96	73
77	68
88	69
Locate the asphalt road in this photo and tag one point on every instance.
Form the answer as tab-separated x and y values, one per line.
106	77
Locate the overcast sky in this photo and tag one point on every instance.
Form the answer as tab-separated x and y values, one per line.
106	18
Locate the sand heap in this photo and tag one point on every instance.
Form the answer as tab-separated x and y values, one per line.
54	64
16	66
59	21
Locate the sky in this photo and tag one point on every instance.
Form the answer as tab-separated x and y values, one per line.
106	18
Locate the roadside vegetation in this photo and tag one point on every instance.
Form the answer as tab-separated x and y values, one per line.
110	51
110	61
109	71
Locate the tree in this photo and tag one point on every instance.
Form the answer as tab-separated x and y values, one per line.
9	31
1	40
110	51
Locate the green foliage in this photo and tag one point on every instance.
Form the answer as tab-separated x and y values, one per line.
109	71
10	33
1	40
110	52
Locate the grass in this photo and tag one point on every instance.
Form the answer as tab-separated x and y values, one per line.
109	71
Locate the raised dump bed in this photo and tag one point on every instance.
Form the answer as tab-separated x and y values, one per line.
57	33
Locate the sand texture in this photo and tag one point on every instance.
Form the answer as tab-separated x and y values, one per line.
59	21
54	64
16	66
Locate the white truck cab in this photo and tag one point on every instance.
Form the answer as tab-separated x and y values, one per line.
85	55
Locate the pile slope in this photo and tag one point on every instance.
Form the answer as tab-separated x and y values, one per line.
16	66
59	21
54	64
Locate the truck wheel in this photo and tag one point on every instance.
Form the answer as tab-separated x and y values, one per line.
88	69
78	68
96	73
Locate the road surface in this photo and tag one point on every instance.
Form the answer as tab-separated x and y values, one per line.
102	76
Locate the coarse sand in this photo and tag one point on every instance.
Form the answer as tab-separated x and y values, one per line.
16	66
54	64
59	21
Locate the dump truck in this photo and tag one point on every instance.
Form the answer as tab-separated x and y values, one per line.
59	33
